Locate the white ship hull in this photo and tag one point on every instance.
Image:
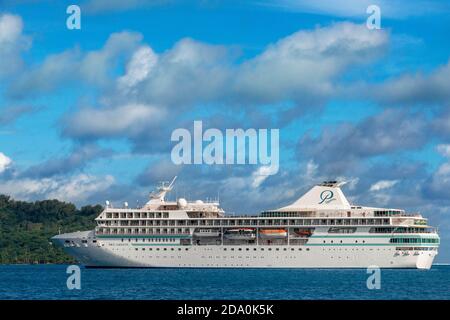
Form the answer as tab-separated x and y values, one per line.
115	253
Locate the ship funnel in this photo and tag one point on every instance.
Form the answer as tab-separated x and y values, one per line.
326	195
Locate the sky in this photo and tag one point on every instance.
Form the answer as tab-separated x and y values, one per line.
87	115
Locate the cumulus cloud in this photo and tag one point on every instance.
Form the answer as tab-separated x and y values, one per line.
419	88
383	184
5	162
80	187
76	160
341	149
160	170
190	72
444	150
138	68
438	185
58	70
121	121
301	68
76	188
12	43
260	175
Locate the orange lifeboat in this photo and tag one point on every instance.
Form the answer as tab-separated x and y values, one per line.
303	232
273	233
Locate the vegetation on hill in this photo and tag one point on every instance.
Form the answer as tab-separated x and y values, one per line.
26	229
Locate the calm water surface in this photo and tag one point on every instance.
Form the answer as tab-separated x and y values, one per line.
49	282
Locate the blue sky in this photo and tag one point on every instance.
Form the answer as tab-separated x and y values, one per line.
86	115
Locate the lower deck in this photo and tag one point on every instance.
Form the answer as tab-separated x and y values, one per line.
135	253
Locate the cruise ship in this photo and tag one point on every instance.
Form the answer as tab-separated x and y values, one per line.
319	230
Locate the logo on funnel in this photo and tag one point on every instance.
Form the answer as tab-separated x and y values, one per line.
326	196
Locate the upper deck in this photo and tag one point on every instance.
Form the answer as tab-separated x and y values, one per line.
323	205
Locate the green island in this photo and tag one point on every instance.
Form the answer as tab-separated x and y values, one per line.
26	229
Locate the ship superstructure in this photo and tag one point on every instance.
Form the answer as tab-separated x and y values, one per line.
319	230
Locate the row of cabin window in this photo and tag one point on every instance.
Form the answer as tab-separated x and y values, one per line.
262	222
125	215
413	240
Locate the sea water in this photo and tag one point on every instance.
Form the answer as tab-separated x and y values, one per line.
50	282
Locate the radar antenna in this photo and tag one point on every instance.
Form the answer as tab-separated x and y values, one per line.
161	191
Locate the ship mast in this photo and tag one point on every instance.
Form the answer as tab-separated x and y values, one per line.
159	195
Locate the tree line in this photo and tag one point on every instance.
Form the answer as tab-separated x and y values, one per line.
26	229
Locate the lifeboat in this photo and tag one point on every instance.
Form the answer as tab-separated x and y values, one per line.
273	233
303	232
240	234
204	233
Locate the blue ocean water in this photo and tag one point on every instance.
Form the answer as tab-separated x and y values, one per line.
49	282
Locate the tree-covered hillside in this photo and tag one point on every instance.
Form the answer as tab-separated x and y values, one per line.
26	229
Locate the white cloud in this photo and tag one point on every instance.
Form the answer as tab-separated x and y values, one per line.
80	187
10	28
349	144
443	171
77	188
138	68
444	150
382	199
302	67
5	161
260	175
383	184
95	67
116	121
438	184
311	170
190	72
12	43
350	183
416	88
